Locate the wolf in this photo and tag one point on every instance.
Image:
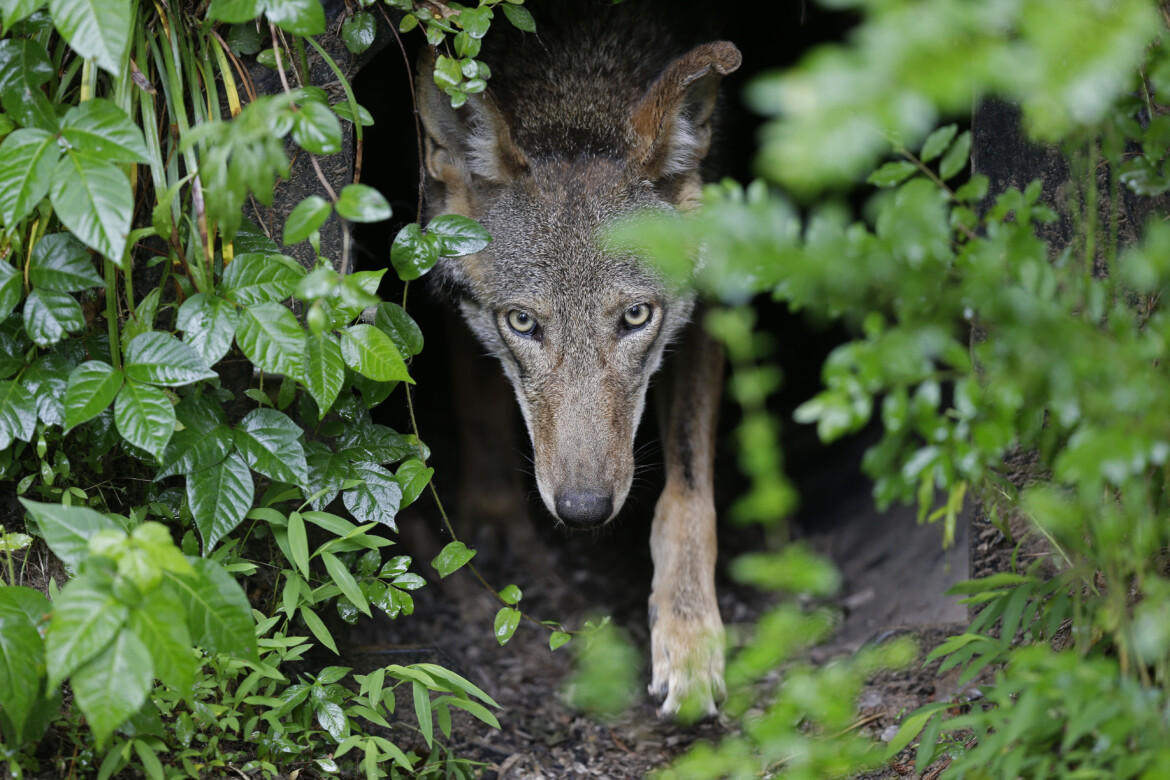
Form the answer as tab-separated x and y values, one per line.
605	112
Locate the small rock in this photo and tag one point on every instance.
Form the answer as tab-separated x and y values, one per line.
888	733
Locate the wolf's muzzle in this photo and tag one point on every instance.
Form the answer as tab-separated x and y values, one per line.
584	508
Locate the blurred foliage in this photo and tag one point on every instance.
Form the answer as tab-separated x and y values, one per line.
975	340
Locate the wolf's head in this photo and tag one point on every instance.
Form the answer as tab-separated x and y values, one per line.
546	163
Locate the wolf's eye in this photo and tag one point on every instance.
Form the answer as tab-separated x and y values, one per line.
522	322
637	315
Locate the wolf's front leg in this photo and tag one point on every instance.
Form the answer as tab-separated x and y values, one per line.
686	631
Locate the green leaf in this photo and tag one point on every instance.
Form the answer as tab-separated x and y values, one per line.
912	726
359	31
24	67
49	315
219	497
155	622
506	621
511	595
27	158
974	190
413	475
144	416
270	444
92	387
422	710
98	29
86	618
22	653
159	358
259	277
458	235
92	198
192	450
557	639
956	157
18	414
891	174
235	11
67	529
937	142
100	128
451	558
371	353
16	10
344	580
519	16
324	370
61	262
209	324
447	72
316	129
344	111
318	628
362	203
308	216
10	293
218	614
271	337
298	542
392	319
114	685
413	254
377	499
300	17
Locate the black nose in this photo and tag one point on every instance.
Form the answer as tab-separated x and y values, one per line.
584	508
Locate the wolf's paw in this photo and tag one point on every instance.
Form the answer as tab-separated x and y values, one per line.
687	654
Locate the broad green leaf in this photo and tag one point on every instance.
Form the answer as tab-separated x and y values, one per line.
235	11
114	685
377	499
46	379
422	710
218	614
190	450
458	235
270	443
298	542
475	708
371	353
18	414
333	719
10	292
328	471
258	277
316	129
343	579
144	416
317	626
100	128
24	67
891	174
392	319
27	158
956	157
49	315
519	16
343	110
92	198
86	618
92	387
413	253
506	621
95	28
68	529
937	142
209	324
219	497
300	17
307	216
155	622
413	476
159	358
511	595
451	558
557	639
22	653
448	74
271	337
16	10
359	31
324	370
61	262
362	203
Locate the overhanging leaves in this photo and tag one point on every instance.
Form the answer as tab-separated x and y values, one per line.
159	358
92	198
100	128
95	28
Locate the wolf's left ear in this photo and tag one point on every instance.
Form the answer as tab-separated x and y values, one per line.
671	123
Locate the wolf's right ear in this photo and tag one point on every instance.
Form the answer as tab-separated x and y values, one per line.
466	144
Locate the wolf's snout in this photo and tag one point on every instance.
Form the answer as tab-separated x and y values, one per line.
584	508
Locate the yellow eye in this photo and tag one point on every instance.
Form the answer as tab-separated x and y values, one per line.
637	315
521	321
